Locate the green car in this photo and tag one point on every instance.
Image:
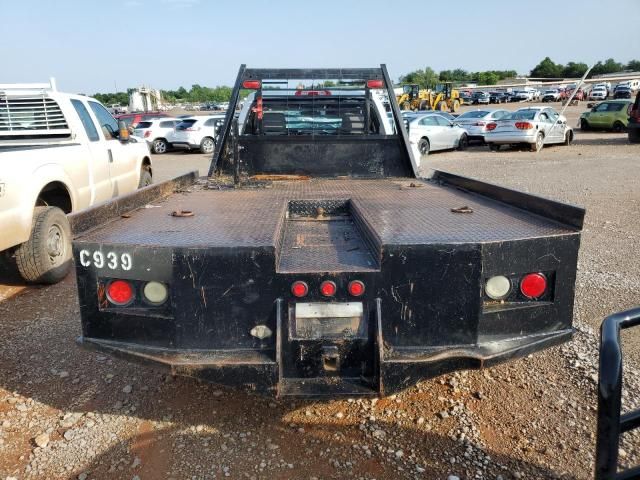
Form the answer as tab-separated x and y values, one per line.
610	114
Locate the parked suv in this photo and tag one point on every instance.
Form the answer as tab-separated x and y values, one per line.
611	115
132	119
196	133
622	92
156	131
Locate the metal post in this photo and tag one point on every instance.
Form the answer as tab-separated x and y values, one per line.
236	153
226	126
610	425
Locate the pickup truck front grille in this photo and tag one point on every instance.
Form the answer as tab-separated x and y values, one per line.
31	115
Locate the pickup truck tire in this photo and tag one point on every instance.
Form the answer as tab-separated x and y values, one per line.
207	145
159	145
46	256
145	178
634	135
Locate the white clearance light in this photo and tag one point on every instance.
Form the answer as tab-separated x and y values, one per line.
261	332
155	292
498	287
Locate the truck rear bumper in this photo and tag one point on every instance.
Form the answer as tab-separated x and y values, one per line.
258	371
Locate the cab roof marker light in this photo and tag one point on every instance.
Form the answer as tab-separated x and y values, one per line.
251	84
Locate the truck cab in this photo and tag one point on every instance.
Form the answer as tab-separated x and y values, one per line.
59	153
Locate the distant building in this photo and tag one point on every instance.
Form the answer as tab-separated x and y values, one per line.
624	73
144	99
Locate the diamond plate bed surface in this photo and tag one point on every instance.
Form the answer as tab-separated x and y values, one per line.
395	211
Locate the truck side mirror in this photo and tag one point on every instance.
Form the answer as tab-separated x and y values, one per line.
124	132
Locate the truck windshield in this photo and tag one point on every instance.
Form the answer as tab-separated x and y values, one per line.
313	107
313	116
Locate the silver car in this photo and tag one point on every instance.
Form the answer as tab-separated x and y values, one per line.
536	126
435	132
475	122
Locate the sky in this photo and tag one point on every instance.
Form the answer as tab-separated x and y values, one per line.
94	46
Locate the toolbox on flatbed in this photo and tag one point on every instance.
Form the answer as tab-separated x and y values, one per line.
314	262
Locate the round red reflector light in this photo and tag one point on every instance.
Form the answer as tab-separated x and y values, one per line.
356	288
328	288
120	292
299	289
533	285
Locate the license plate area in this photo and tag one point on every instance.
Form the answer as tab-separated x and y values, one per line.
328	321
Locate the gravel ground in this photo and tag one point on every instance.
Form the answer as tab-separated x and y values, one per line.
67	413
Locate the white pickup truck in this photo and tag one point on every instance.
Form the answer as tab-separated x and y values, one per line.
59	153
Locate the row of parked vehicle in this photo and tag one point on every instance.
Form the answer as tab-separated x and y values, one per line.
535	126
163	132
597	92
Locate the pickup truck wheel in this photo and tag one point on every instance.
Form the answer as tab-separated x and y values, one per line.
207	145
536	147
46	256
159	145
634	135
145	178
424	146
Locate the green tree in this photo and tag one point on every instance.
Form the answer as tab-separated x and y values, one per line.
547	69
609	66
574	70
488	78
634	65
426	78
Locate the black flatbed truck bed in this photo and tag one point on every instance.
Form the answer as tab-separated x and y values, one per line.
231	315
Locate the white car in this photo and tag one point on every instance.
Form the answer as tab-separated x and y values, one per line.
434	132
475	122
59	153
598	93
536	126
196	133
156	131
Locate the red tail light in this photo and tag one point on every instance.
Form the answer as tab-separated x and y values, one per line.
251	84
375	84
524	125
120	292
299	289
147	134
491	126
356	288
533	285
328	288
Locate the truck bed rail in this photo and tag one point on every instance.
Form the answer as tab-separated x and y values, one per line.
85	220
611	423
